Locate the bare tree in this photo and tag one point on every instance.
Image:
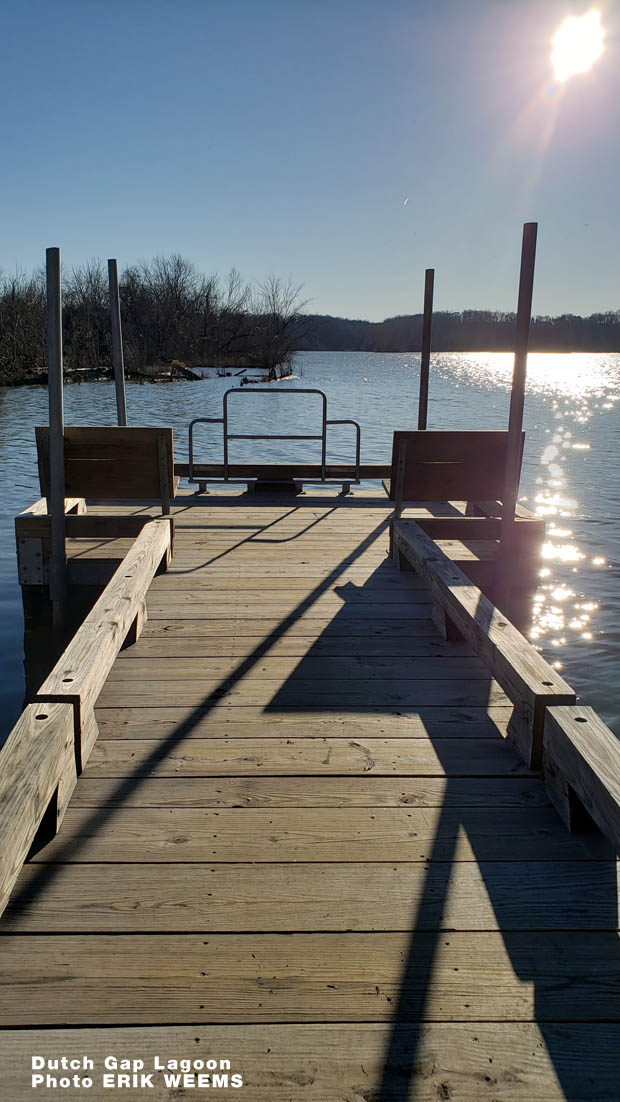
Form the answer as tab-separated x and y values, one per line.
170	312
22	326
278	319
86	317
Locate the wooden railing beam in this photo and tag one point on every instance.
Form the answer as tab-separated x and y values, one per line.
581	765
37	765
528	680
80	674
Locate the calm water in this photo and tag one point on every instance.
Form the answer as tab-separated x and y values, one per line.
571	472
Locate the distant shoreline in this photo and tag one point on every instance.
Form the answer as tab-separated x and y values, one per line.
469	351
166	374
464	331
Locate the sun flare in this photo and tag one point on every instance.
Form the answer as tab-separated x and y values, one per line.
576	45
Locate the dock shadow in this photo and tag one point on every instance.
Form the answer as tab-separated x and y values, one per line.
550	910
553	897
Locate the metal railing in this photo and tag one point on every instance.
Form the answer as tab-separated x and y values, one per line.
322	436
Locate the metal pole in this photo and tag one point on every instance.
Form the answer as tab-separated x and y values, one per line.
56	499
117	343
517	396
427	324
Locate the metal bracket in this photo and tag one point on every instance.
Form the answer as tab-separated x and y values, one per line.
30	569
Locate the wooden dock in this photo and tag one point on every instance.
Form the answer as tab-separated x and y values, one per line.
304	842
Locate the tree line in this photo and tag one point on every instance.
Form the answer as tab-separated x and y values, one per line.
170	314
465	331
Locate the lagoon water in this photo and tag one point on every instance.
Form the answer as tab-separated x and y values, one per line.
571	472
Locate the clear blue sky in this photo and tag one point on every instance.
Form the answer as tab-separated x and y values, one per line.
284	136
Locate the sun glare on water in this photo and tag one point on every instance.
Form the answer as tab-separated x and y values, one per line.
576	45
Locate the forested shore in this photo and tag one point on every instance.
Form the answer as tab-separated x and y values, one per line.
465	331
175	319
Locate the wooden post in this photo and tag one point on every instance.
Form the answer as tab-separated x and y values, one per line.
517	398
117	343
56	500
427	324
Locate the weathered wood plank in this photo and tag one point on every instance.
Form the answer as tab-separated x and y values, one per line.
83	526
178	606
37	765
317	1063
318	756
301	692
306	791
500	896
584	754
529	533
325	627
99	549
450	463
310	834
207	586
224	721
110	460
530	682
156	979
342	669
336	561
299	575
73	506
80	673
283	471
257	600
264	533
368	648
245	577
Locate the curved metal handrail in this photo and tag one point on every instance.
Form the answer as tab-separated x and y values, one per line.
322	436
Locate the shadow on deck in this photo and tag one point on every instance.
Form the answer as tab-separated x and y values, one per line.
553	902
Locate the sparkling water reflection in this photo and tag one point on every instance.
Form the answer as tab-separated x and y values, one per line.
571	474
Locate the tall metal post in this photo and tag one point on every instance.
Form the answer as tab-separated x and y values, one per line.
56	499
515	421
427	323
517	396
117	343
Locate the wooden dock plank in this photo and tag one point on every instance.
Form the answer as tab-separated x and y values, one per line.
100	979
271	628
341	669
175	606
310	834
319	756
248	898
346	1063
307	791
297	578
302	693
289	790
226	721
366	647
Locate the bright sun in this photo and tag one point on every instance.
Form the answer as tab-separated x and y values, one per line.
576	45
